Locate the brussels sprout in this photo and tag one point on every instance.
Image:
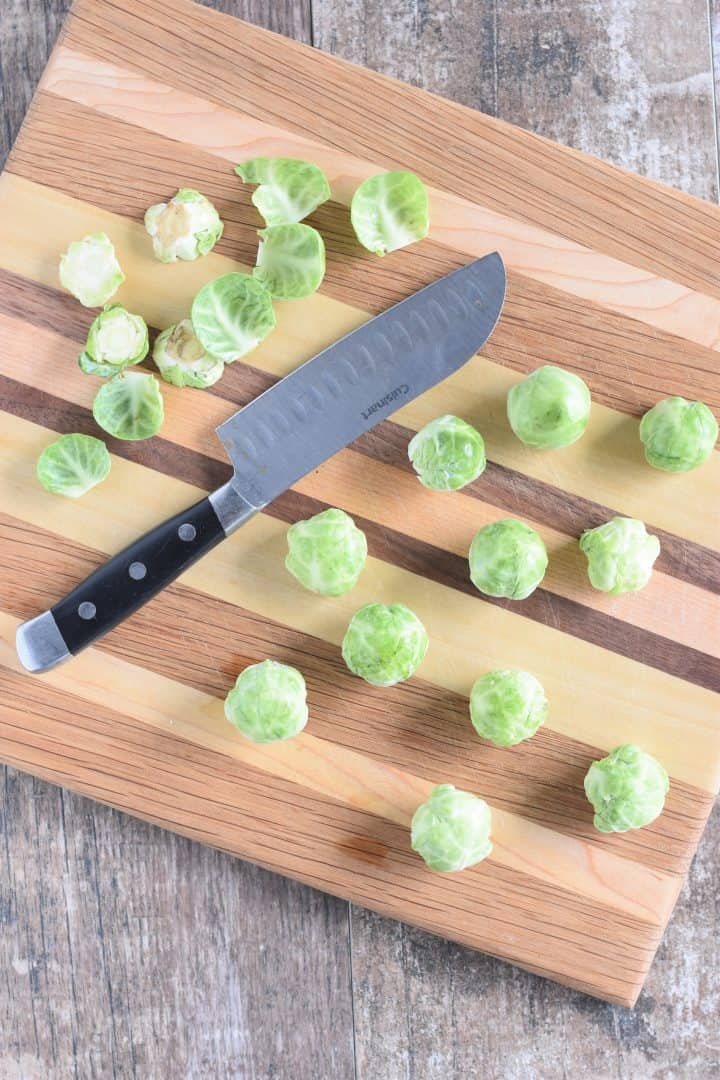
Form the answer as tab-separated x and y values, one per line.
507	558
181	359
447	454
327	552
288	189
384	643
627	789
678	435
184	228
90	271
390	211
267	702
451	830
231	315
73	464
620	555
290	260
115	340
507	706
550	408
130	406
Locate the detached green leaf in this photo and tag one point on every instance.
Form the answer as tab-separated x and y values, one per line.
231	315
290	260
390	211
289	189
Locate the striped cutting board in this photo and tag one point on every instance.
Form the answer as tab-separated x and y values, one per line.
609	275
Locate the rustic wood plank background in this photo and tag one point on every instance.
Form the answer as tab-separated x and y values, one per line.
129	952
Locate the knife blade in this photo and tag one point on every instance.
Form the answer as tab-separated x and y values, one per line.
282	435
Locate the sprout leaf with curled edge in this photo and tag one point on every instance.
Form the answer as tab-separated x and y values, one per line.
507	706
627	789
231	315
507	558
116	340
73	464
290	260
90	270
620	555
268	702
181	359
390	211
384	643
327	552
451	831
130	406
447	454
678	435
288	189
550	408
185	228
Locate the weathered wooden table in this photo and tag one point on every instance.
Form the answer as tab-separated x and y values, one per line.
128	952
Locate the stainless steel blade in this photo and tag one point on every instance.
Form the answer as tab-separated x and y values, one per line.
330	400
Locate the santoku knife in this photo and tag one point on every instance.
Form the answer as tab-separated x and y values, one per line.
281	436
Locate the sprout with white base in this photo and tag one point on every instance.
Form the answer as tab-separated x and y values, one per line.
90	270
185	228
181	359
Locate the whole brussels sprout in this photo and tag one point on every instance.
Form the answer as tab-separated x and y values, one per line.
384	643
267	702
627	789
327	552
181	359
447	454
620	555
507	558
90	271
184	228
678	435
507	706
73	464
451	831
130	406
550	408
116	340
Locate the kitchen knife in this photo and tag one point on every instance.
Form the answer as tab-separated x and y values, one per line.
282	435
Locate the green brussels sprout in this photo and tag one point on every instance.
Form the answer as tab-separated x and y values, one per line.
73	464
184	228
327	552
130	406
507	706
384	643
627	789
288	189
90	271
116	340
620	555
290	260
231	315
451	831
390	211
678	435
507	558
181	359
447	454
267	702
550	408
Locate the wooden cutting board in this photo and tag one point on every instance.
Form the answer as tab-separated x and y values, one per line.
611	276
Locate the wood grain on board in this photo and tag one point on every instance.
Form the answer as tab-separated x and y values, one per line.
600	259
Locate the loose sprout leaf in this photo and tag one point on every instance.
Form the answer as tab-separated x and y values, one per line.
184	228
451	831
231	315
267	702
130	406
73	464
116	339
620	555
181	359
90	270
290	260
390	211
507	558
678	435
550	408
327	552
289	189
447	454
384	643
627	789
507	706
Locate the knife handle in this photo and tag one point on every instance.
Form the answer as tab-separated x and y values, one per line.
129	579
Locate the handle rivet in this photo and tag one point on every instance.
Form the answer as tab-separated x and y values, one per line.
137	570
87	610
187	531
